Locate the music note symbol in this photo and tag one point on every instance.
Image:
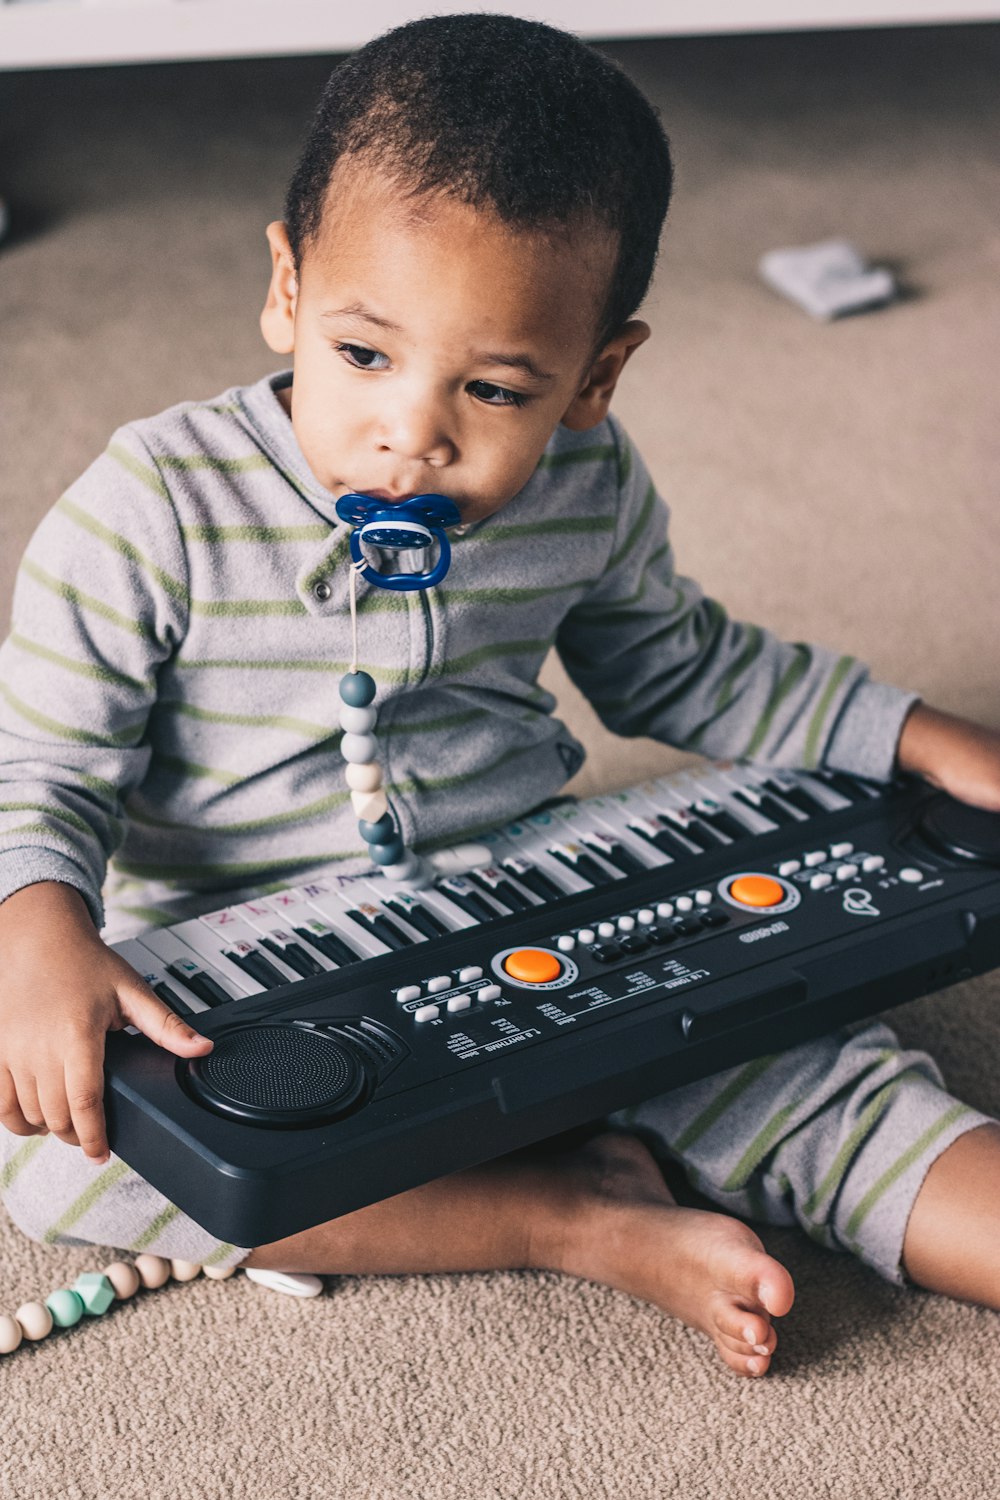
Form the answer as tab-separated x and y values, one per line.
858	902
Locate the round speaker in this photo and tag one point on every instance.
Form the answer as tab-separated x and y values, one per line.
962	831
278	1074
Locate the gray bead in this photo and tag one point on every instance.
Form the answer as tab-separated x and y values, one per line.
387	854
357	689
377	833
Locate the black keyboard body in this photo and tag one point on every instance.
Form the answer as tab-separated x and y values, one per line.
366	1097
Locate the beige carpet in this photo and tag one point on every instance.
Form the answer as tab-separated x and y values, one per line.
837	483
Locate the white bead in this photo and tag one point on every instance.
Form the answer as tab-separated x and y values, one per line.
297	1284
359	749
153	1271
11	1334
123	1277
219	1273
363	778
357	720
407	866
370	805
184	1270
35	1320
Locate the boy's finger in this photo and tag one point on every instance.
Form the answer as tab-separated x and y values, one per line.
162	1025
11	1114
85	1096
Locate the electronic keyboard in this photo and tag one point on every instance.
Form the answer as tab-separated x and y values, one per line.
593	954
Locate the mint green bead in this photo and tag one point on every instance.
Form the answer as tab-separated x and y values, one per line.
95	1292
65	1306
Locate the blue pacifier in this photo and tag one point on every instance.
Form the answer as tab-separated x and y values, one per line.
403	525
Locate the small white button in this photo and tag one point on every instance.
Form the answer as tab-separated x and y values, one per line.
587	935
565	944
664	909
872	862
626	924
647	916
819	881
684	903
407	993
846	872
912	876
605	930
703	898
815	857
467	975
427	1013
790	867
459	1002
436	985
488	992
841	851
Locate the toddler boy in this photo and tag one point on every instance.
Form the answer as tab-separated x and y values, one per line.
468	235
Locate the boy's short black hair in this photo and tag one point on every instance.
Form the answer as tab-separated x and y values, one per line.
504	114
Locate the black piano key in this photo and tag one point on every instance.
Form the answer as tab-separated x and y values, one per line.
584	866
504	891
464	896
381	927
257	966
171	998
773	809
797	797
669	843
620	858
845	785
725	822
420	917
681	826
295	956
535	879
201	984
332	944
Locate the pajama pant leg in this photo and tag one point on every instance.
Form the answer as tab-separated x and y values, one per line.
836	1135
56	1196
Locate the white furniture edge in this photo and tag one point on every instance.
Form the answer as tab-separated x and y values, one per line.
91	32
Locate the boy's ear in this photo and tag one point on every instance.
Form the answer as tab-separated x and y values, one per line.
277	321
591	403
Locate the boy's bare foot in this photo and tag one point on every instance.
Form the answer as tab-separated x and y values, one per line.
622	1227
601	1212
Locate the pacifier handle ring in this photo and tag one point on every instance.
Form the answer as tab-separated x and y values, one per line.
403	582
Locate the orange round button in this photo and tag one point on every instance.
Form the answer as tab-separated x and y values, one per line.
532	966
757	890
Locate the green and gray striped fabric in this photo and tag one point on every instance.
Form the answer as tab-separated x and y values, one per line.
168	690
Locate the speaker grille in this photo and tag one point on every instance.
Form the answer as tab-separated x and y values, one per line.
281	1075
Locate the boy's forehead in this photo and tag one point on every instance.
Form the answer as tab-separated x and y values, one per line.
427	252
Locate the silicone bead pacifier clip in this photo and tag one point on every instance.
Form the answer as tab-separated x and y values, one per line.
406	525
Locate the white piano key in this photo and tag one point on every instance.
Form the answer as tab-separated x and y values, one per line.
392	913
210	944
268	922
603	815
528	842
154	971
165	943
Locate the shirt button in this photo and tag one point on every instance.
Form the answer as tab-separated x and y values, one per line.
322	591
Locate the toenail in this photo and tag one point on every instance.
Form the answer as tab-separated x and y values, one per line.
748	1335
754	1366
760	1349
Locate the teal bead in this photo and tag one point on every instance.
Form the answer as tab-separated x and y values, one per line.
387	854
377	833
95	1292
65	1306
357	689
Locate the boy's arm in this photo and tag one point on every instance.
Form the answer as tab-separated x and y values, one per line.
99	603
960	757
656	657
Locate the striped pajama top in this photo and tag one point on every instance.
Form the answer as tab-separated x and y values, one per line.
168	689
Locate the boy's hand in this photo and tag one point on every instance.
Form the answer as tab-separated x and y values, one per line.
954	754
61	990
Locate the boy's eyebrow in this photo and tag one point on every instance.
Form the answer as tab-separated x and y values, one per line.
508	361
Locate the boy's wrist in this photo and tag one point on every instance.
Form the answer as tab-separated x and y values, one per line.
48	900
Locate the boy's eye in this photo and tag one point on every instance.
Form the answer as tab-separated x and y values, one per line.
496	395
362	357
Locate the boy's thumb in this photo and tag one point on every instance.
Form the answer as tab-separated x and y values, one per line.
163	1026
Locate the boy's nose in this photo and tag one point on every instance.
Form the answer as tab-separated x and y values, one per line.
416	433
